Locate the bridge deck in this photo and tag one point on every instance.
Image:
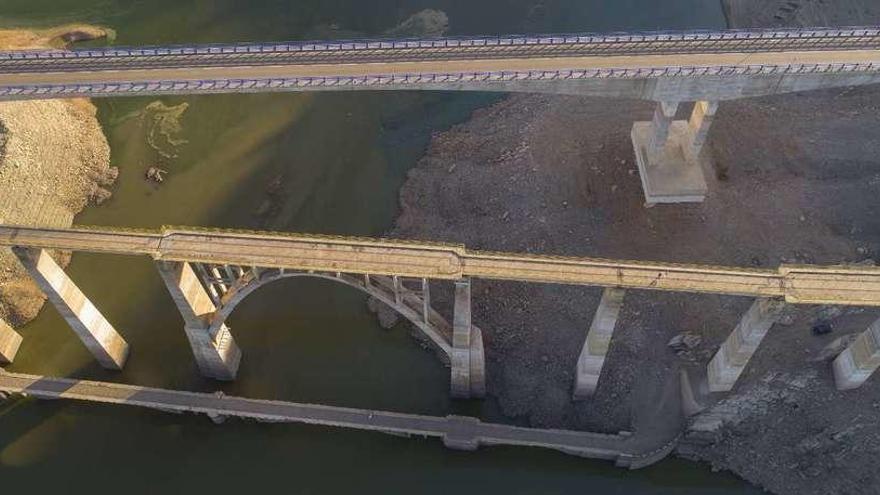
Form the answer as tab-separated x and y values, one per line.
457	432
799	284
367	63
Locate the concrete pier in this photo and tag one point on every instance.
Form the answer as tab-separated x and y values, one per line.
858	361
733	356
98	335
699	125
216	352
466	361
667	154
592	358
10	340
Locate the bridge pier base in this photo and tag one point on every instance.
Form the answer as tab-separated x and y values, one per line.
592	358
733	356
216	353
10	340
668	154
859	361
98	335
467	361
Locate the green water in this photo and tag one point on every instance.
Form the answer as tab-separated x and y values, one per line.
312	162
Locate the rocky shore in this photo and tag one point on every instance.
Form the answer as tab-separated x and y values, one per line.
556	175
54	160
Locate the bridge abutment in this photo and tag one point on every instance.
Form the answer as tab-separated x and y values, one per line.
592	357
467	361
669	153
734	355
10	341
98	335
859	361
216	353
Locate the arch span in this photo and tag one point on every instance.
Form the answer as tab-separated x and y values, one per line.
411	303
436	328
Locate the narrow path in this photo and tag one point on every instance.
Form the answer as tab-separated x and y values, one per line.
457	432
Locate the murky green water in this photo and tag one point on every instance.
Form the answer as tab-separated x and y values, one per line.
312	162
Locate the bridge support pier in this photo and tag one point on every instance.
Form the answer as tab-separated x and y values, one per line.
10	340
733	356
98	335
592	358
858	361
467	361
668	153
216	353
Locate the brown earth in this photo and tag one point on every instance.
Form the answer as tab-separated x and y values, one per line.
54	159
557	175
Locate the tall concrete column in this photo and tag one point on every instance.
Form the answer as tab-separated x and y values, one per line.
10	340
699	124
217	356
664	113
730	361
460	362
858	361
592	358
98	335
467	360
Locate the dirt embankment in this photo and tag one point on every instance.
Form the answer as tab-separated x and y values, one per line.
789	13
54	160
556	175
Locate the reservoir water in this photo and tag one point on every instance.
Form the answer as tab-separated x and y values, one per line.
330	163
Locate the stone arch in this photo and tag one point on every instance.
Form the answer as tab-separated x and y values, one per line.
436	329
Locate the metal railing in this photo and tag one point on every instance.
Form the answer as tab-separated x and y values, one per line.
700	40
397	80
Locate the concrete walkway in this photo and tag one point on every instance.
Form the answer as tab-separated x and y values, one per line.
457	432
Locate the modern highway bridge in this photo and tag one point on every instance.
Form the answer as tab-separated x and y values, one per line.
680	66
704	67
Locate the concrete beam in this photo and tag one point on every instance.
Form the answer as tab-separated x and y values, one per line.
859	361
10	340
216	353
730	361
699	124
98	335
664	113
592	358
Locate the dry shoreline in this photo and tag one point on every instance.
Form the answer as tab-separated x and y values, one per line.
554	174
54	160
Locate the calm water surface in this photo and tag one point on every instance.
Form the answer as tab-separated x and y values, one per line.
312	162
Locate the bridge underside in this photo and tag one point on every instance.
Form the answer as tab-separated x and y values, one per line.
223	287
668	88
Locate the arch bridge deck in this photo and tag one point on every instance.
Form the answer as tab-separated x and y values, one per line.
797	284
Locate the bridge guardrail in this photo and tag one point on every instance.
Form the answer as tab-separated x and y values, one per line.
242	85
695	37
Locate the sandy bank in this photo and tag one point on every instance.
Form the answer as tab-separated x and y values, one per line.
54	160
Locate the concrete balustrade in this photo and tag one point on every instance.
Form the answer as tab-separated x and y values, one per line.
216	353
730	361
98	335
592	357
10	340
859	361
